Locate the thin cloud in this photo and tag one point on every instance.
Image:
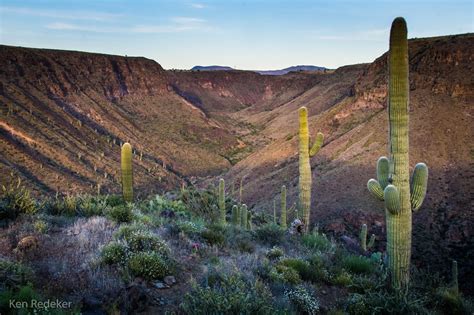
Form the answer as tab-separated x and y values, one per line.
198	5
178	24
367	35
61	14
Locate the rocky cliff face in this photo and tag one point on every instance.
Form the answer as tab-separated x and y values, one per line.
65	114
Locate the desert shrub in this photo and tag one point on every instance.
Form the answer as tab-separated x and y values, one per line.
24	293
15	200
358	264
40	226
383	302
304	302
245	245
275	253
342	278
190	227
114	253
67	206
139	241
148	265
204	203
126	230
270	234
92	206
452	302
316	241
13	274
113	200
213	237
121	213
160	203
228	295
304	269
281	273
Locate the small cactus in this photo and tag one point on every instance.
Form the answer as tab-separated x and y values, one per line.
274	212
243	216
241	188
249	221
222	200
363	238
283	208
235	215
455	284
127	175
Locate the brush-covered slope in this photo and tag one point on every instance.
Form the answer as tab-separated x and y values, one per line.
65	114
349	107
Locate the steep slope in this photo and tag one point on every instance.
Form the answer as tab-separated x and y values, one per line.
65	114
354	120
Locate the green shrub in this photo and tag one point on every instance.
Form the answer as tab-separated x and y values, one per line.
160	203
281	273
139	241
14	274
125	230
148	265
40	226
452	302
204	203
358	264
113	200
383	302
316	241
275	253
92	206
114	253
303	301
15	200
213	237
190	227
228	295
342	278
121	213
270	233
25	293
306	272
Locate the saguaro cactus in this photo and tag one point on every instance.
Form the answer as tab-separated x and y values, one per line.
283	208
363	238
243	216
305	153
393	184
222	200
127	174
455	284
235	215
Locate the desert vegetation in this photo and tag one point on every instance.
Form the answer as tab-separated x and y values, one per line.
203	250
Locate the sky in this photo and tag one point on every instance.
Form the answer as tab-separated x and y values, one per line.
256	35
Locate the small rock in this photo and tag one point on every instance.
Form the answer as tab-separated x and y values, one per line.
169	280
159	285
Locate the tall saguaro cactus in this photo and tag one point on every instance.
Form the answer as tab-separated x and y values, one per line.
222	200
305	153
127	174
393	184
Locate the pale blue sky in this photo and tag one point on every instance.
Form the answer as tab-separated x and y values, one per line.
241	34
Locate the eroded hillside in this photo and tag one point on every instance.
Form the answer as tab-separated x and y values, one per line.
65	114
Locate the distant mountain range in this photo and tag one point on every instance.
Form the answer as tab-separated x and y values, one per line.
266	72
